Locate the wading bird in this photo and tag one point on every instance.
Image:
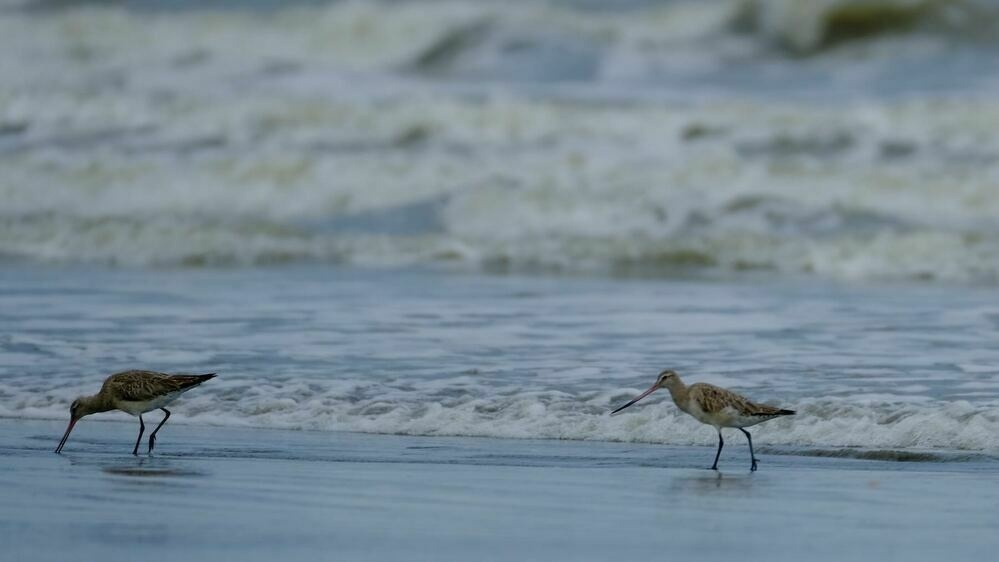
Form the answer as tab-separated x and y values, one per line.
135	392
714	406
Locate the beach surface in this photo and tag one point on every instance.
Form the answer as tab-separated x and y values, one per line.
249	494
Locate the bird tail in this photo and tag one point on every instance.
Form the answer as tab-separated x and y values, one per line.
185	382
770	412
202	378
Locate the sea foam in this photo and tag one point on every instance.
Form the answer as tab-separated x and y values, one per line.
878	423
502	137
533	185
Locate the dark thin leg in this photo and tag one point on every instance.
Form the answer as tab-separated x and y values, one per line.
152	438
751	455
142	427
721	443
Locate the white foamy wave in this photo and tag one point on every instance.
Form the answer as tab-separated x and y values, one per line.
872	422
344	134
517	185
920	255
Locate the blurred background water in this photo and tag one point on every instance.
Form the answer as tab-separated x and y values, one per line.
842	138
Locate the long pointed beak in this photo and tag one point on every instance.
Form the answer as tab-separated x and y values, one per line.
66	435
639	397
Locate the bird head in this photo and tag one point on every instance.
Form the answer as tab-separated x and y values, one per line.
77	410
665	379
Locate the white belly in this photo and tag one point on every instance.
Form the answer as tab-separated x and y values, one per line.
700	415
726	417
136	407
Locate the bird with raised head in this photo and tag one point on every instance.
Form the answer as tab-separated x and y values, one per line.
714	406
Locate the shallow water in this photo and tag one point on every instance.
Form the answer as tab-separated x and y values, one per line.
223	493
888	368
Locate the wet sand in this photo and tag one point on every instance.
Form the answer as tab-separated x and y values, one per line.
243	494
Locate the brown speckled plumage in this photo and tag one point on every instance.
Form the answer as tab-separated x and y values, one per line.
715	406
135	392
143	386
713	399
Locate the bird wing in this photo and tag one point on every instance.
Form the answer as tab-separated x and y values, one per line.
141	386
713	399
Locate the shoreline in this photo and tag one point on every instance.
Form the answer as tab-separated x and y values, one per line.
258	494
645	453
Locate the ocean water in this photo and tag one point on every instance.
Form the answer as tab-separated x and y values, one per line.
256	495
501	219
884	369
844	139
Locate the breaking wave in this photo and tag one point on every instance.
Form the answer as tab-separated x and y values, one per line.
901	428
375	134
855	192
806	26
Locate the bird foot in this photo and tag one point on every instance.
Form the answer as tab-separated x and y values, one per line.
753	468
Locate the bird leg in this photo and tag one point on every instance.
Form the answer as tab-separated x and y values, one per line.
721	443
152	438
751	455
142	427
